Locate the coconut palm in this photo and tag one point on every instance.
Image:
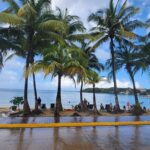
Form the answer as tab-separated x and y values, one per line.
58	61
33	20
129	58
93	78
91	64
75	32
114	24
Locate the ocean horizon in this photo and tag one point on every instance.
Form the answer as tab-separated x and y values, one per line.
69	98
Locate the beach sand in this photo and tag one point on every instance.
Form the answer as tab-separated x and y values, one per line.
50	113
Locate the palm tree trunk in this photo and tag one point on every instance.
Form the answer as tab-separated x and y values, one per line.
81	96
29	59
94	100
114	74
26	107
35	92
134	86
58	98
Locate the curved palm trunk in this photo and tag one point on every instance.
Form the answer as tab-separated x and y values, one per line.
58	107
81	96
26	107
134	86
114	74
35	92
94	101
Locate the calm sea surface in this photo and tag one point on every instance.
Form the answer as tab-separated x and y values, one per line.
69	98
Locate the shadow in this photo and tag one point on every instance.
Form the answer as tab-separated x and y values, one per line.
55	138
136	142
21	134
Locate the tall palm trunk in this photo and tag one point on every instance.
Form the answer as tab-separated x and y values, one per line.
35	92
26	107
81	96
34	83
114	74
94	100
134	86
58	98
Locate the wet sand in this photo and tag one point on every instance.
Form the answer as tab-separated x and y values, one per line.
85	138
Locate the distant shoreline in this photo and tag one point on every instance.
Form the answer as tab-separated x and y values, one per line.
121	91
21	90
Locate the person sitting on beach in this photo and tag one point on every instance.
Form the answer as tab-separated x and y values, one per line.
39	101
101	107
128	106
85	103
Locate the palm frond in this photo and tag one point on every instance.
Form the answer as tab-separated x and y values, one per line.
13	6
53	25
11	19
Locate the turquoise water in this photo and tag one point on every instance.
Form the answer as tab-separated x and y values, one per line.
69	98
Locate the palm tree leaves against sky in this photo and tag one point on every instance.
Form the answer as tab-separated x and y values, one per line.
91	63
75	31
93	78
114	24
59	61
27	19
129	58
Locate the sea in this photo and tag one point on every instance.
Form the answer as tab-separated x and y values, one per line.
69	98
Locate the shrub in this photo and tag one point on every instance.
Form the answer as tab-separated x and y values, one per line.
14	108
17	101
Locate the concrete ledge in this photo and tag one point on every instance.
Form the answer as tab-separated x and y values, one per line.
80	124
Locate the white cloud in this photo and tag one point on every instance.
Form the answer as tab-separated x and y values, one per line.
82	8
120	84
148	16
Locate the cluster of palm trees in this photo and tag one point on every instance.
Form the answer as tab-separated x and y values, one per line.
65	47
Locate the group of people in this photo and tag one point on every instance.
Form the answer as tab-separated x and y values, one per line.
111	108
108	107
86	105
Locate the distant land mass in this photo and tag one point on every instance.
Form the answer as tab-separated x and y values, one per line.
120	91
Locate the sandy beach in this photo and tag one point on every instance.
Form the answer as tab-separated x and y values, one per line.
69	112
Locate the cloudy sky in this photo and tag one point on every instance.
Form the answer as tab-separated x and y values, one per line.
12	74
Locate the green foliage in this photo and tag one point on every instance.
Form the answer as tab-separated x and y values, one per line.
137	110
17	101
14	107
115	22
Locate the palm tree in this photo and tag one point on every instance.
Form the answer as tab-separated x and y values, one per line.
91	64
114	24
93	78
74	27
59	62
129	58
33	20
75	32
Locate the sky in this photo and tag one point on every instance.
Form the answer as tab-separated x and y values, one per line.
11	76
